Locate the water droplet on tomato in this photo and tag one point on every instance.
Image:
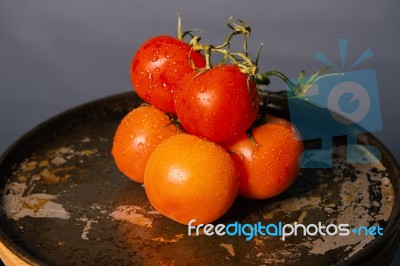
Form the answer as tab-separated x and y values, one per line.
140	145
169	54
147	98
203	89
160	137
154	58
157	69
164	85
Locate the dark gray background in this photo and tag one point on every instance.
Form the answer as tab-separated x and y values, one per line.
55	55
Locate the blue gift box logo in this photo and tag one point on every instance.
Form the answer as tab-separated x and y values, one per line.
350	107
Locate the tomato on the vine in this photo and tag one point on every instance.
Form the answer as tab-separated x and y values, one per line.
138	134
267	161
189	178
157	67
219	104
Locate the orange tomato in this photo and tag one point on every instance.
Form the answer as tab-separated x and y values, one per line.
189	178
268	160
138	134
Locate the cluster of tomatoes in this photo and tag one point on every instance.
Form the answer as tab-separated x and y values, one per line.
194	145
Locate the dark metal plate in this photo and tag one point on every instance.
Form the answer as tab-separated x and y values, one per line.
65	203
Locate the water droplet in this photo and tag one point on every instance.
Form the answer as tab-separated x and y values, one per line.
203	89
169	54
154	58
164	85
140	145
157	69
147	98
160	137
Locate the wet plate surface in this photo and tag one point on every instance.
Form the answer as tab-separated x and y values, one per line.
65	203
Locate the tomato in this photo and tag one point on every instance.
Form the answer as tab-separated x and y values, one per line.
138	134
158	65
189	178
218	104
267	163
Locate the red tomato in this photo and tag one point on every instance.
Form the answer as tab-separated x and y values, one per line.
268	163
138	134
157	67
189	178
218	104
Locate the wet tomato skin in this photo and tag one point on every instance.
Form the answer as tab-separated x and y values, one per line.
189	178
158	66
218	104
136	137
269	163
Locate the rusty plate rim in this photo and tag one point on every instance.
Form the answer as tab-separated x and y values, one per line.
385	245
13	149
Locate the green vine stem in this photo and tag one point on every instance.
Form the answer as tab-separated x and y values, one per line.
297	88
301	87
241	59
179	30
